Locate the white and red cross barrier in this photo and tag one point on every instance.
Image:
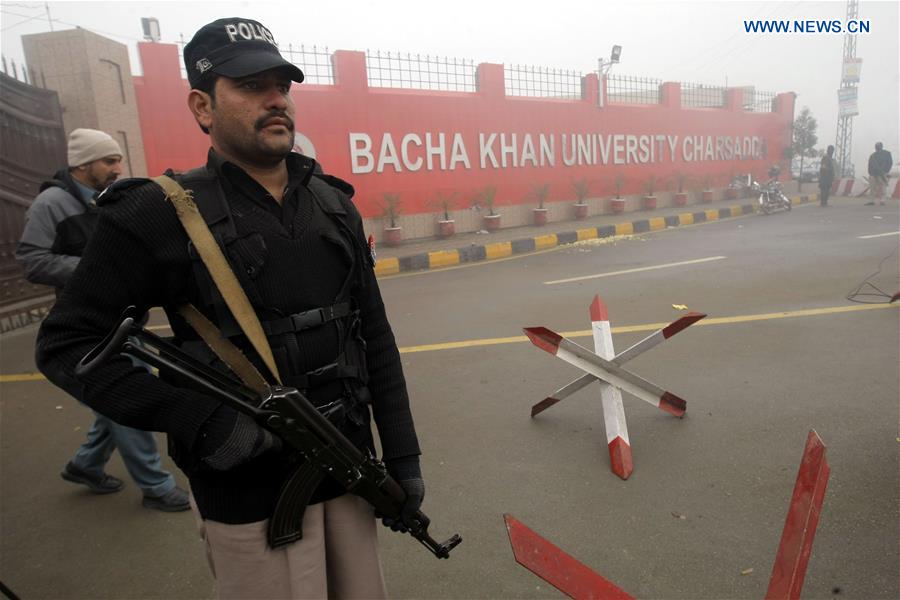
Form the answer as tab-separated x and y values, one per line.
604	365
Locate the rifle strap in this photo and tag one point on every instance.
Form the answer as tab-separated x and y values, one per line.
230	354
222	275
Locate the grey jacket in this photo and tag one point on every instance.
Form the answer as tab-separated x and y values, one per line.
57	226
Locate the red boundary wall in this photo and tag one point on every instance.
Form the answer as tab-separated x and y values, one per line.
418	143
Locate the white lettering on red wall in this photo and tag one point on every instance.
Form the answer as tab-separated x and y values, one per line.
506	150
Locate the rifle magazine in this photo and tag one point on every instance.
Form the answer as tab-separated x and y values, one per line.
286	523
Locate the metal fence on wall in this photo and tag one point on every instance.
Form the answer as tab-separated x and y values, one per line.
426	72
314	61
542	82
760	102
415	71
624	89
698	95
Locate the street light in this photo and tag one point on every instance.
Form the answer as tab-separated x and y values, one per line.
603	67
606	65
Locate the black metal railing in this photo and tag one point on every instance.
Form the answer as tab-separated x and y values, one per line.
624	89
760	102
415	71
698	95
542	82
315	62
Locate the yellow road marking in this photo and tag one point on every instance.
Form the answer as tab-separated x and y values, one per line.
387	266
443	258
812	312
21	377
497	250
587	234
712	215
685	219
624	228
657	223
652	326
543	242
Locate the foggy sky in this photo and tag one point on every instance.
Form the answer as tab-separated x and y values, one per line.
701	42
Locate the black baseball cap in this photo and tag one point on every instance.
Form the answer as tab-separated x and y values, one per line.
234	47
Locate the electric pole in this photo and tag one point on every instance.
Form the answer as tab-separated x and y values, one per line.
847	96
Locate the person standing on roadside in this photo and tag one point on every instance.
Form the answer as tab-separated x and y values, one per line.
826	176
880	163
294	240
58	225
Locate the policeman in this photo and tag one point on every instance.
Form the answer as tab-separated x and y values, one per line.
295	242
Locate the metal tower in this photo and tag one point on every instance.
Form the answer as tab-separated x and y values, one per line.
844	137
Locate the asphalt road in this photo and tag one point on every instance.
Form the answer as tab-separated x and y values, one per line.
783	351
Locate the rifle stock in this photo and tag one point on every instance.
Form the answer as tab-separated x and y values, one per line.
290	415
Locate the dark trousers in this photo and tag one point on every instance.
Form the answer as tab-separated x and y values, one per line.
824	191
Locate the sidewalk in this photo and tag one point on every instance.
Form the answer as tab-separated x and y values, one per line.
435	253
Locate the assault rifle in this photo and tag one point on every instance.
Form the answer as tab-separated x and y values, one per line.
290	415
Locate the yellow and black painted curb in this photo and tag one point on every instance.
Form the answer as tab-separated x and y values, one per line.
481	252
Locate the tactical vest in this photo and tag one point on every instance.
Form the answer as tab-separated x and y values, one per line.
348	367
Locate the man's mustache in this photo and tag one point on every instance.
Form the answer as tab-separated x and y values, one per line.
281	116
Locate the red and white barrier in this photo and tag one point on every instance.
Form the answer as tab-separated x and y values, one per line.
611	398
570	576
604	365
578	356
849	186
795	547
577	580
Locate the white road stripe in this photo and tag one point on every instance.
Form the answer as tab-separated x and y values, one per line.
611	273
877	235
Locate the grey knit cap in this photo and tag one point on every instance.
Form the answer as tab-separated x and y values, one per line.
88	145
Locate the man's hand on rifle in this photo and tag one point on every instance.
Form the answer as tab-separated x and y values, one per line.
230	438
409	475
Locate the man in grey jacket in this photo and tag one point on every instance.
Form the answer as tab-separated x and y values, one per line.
57	227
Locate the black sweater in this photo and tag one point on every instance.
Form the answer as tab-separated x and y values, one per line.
139	256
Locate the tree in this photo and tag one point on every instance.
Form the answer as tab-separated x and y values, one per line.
804	139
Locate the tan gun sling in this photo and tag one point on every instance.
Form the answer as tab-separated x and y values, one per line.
228	285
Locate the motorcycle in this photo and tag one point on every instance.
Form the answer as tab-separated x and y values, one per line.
771	196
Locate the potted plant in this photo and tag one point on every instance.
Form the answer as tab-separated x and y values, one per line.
488	198
390	211
582	188
617	204
648	201
681	196
540	193
445	202
706	195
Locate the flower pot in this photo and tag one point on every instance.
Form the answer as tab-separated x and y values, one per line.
581	210
648	203
492	222
446	228
617	205
681	199
540	216
707	196
731	194
393	236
